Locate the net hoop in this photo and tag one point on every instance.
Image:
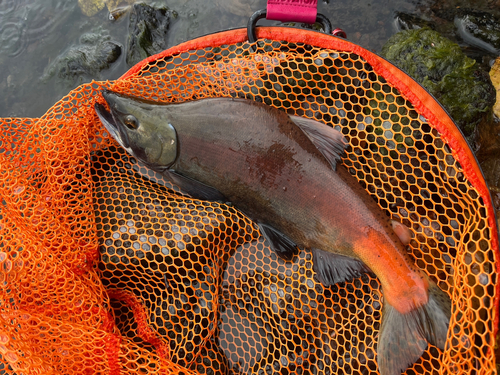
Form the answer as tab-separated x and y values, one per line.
422	100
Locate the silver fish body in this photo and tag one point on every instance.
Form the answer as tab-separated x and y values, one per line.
281	171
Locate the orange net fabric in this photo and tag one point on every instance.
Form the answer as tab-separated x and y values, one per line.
106	268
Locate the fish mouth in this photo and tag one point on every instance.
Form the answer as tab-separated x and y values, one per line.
109	121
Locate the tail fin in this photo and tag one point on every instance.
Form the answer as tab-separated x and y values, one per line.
402	338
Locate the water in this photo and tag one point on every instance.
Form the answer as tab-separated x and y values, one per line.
33	33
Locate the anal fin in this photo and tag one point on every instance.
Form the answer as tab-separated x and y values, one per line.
281	244
333	268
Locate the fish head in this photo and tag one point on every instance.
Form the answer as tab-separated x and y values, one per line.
136	127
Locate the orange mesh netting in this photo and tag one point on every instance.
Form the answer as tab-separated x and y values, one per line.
106	268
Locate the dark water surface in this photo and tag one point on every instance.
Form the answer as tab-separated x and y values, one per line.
33	33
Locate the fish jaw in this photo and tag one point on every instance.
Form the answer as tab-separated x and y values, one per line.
149	138
109	123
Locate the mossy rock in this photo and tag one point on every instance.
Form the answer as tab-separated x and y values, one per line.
455	80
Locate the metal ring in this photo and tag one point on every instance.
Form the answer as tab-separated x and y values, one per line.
262	13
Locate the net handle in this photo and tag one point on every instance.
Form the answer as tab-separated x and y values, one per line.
292	10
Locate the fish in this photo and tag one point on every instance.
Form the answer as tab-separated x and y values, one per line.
284	173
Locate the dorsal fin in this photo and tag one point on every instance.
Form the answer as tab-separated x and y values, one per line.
330	142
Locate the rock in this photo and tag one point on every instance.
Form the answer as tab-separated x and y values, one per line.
117	13
94	54
495	80
91	7
488	139
454	79
147	32
479	29
406	21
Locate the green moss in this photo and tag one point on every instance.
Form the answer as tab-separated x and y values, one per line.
442	68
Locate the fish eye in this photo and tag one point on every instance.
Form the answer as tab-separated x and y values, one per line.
131	122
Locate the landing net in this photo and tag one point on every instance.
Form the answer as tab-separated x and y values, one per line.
106	268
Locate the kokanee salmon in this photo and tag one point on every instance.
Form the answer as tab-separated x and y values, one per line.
281	171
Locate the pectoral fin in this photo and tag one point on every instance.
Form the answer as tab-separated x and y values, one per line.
281	244
333	268
195	189
330	142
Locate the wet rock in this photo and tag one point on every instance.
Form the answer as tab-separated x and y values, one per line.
148	30
495	80
91	7
490	164
456	81
94	54
445	18
406	21
479	29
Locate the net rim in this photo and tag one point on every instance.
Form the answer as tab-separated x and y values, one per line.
422	100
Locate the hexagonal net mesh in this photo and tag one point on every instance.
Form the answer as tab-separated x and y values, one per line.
107	268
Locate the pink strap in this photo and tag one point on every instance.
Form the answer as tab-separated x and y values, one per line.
292	10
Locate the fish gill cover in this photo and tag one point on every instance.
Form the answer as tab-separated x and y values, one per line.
107	268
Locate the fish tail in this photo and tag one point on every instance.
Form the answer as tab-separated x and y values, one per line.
403	337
